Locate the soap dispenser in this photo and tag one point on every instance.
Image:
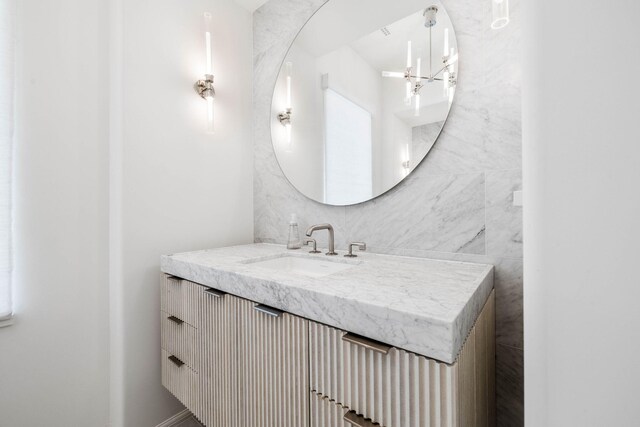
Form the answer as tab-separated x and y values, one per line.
294	235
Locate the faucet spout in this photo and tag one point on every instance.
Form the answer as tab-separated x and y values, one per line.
327	227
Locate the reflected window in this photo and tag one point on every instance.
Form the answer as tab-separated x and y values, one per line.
348	150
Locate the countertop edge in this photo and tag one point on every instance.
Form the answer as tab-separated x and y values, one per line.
454	334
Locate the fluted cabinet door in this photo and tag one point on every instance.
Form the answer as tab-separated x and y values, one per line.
274	367
180	339
396	388
179	297
218	405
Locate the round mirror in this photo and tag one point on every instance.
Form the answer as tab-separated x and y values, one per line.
362	96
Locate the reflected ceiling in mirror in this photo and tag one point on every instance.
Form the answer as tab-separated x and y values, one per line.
362	97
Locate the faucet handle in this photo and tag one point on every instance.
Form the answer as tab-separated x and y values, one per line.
360	245
315	250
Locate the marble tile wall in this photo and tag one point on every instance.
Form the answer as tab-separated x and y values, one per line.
457	204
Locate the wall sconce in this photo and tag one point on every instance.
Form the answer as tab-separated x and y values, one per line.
285	116
204	87
500	9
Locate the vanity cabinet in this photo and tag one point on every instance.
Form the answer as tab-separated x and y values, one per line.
237	363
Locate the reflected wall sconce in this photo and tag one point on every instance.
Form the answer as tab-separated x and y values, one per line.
285	116
415	78
500	11
204	87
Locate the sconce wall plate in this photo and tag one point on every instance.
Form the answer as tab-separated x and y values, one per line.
205	88
285	117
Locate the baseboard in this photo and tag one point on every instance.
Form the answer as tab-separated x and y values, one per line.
176	419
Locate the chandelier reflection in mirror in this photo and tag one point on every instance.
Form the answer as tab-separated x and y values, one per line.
445	74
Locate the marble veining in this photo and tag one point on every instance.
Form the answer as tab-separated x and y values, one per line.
424	306
482	136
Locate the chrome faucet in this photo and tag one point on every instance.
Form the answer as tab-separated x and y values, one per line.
328	227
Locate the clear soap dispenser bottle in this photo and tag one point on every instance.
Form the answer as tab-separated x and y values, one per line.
294	241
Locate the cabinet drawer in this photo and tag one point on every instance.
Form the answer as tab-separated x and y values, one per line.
180	380
392	387
179	298
397	388
179	339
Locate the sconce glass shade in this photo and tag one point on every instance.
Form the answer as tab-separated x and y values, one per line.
406	163
418	80
208	70
289	145
210	122
500	12
289	71
285	116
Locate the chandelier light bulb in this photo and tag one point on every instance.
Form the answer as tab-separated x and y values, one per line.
445	83
446	42
407	98
395	74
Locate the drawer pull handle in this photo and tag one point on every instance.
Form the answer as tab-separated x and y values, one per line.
354	419
366	343
214	292
174	319
270	311
176	361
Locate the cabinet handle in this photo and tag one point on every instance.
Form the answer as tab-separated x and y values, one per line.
214	292
174	319
357	420
176	361
366	343
270	311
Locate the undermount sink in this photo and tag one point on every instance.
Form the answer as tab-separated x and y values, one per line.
312	267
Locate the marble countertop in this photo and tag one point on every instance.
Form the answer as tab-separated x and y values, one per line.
420	305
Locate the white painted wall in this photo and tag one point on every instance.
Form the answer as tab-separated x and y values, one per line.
54	359
113	168
582	211
180	188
